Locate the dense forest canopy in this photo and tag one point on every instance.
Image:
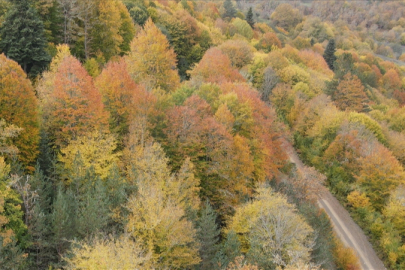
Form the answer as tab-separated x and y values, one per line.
139	134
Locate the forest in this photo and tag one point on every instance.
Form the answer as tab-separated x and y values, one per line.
140	134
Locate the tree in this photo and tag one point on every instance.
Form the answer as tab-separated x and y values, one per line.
12	227
94	150
349	94
127	29
107	253
119	93
74	106
242	28
18	106
230	249
379	174
329	54
106	31
22	38
268	42
208	236
151	62
215	67
230	11
286	16
249	18
238	51
270	229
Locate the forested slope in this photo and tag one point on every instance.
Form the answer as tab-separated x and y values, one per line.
148	134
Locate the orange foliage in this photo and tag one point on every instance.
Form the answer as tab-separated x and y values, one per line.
268	41
380	173
75	105
391	80
18	106
350	94
122	97
266	148
315	61
215	67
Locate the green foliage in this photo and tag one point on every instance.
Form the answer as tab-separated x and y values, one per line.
22	38
243	28
229	250
249	18
208	236
329	54
181	94
139	14
230	10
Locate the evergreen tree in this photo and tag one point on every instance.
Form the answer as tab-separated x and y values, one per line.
249	17
41	251
208	233
230	11
230	249
329	54
22	38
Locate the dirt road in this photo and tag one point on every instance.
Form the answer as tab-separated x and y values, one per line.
348	231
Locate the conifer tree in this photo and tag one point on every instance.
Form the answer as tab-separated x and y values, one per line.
230	249
22	38
249	17
230	11
208	233
329	54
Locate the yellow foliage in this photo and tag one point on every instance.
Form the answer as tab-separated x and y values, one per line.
151	61
94	150
106	254
46	83
357	199
293	75
157	212
274	225
345	257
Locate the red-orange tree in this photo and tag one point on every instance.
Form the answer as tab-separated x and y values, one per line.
122	97
215	67
18	106
75	106
350	94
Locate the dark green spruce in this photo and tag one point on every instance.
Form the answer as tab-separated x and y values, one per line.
230	10
22	38
208	236
329	54
249	17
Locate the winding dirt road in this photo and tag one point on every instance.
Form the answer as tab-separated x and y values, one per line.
348	231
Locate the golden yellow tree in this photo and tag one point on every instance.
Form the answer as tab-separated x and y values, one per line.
271	232
108	253
94	149
158	211
152	62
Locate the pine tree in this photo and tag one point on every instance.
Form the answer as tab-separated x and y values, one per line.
230	11
230	249
329	54
208	233
22	38
249	17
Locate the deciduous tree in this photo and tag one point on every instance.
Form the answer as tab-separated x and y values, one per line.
151	62
350	95
75	105
18	106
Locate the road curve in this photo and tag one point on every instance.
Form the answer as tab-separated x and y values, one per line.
347	230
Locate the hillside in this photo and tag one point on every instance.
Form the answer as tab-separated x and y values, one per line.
141	134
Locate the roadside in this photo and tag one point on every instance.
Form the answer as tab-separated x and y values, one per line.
347	230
